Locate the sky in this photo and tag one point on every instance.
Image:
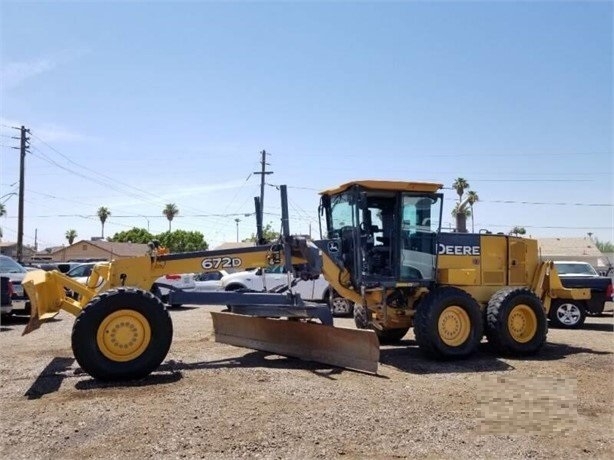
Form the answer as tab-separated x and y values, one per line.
133	105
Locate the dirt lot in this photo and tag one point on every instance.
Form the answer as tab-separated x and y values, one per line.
211	400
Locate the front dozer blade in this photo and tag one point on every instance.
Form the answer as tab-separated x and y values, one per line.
347	348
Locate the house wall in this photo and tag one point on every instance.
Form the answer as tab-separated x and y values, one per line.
81	250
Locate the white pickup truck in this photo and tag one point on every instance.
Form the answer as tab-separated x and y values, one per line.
270	278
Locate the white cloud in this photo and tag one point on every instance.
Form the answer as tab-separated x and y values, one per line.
51	133
14	73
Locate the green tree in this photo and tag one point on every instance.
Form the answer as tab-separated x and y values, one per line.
71	235
464	207
604	246
134	235
103	214
461	218
518	231
182	241
170	211
267	233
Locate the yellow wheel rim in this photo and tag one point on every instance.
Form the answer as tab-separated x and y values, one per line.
123	335
454	326
522	323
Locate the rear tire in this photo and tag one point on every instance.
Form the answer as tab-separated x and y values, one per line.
122	334
567	314
448	323
516	322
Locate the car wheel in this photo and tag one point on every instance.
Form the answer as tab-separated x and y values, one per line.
567	314
340	306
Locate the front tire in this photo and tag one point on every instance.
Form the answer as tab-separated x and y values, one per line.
390	336
448	323
340	306
386	337
122	334
516	322
567	314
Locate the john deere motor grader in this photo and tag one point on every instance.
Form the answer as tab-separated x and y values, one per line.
384	250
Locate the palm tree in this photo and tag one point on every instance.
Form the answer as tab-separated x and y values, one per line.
103	213
460	185
71	235
460	211
461	218
170	211
472	197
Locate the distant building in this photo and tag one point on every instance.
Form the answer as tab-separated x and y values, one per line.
582	249
235	245
9	248
95	250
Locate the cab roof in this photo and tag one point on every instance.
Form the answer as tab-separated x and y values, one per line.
387	185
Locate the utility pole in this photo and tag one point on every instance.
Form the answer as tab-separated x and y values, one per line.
23	148
263	172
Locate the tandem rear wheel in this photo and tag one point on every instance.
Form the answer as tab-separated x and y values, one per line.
516	322
122	334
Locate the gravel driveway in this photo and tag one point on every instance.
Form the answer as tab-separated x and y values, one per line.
211	400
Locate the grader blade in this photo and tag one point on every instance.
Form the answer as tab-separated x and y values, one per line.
346	348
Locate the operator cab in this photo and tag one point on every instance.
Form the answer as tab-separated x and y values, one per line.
384	232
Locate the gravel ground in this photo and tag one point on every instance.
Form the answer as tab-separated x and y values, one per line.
211	400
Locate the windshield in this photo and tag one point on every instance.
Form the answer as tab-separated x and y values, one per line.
571	268
81	270
342	214
8	265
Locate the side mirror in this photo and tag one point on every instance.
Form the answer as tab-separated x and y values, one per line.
258	272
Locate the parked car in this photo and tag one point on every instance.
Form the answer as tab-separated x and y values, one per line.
570	314
6	296
272	278
160	288
211	281
163	285
15	272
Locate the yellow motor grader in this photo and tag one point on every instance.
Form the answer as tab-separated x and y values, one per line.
383	250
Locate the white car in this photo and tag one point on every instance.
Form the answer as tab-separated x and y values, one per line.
271	278
184	281
211	281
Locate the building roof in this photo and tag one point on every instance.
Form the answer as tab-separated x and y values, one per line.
583	249
120	249
568	246
235	245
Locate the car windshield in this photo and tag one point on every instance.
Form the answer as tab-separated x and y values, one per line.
80	270
8	265
570	268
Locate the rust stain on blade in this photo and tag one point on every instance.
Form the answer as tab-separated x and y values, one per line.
348	348
34	322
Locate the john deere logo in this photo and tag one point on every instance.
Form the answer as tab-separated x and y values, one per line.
333	247
457	250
